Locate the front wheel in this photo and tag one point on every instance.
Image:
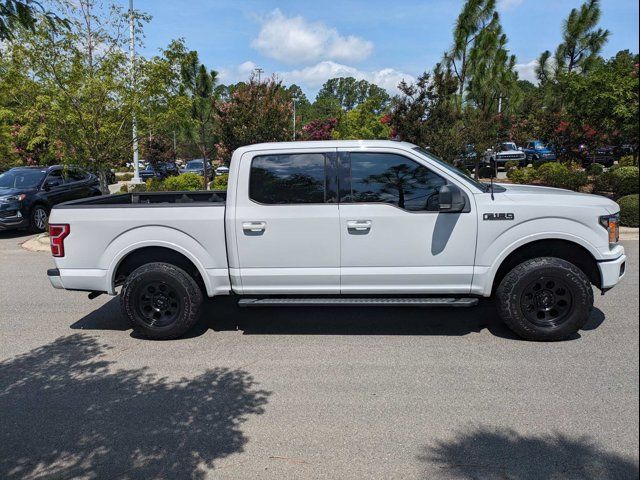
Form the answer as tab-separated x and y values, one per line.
162	301
38	219
545	299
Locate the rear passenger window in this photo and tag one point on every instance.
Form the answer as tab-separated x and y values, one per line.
288	179
394	179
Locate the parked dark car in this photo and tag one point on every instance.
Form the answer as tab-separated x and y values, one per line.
159	171
468	157
197	166
605	156
28	193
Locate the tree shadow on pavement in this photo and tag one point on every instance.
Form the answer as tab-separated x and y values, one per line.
503	454
66	412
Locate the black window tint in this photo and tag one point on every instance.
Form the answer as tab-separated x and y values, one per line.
286	179
394	179
74	175
55	178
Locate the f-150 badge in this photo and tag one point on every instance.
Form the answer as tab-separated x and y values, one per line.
498	216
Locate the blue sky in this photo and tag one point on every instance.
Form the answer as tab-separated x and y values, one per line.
307	42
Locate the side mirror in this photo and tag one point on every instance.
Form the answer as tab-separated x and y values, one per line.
451	199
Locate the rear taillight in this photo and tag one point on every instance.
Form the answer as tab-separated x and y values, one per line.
57	233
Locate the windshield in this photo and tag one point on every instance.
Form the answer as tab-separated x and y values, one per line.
450	168
505	147
195	165
538	146
21	178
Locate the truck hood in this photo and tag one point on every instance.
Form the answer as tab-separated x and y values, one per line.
510	152
554	196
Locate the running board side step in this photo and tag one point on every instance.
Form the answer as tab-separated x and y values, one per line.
358	302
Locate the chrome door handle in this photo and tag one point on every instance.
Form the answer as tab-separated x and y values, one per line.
359	225
254	227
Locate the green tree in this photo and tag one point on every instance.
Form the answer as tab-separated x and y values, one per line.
349	92
366	121
255	112
476	18
199	84
26	14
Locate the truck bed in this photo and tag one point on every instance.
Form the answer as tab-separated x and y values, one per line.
150	199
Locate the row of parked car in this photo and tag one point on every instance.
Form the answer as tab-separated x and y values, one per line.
535	151
163	170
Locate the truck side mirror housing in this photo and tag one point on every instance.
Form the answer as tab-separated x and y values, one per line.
450	199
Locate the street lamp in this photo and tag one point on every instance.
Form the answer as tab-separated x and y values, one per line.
134	121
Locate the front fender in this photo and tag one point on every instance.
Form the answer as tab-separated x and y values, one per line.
492	253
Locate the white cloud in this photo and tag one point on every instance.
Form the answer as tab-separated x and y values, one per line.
314	76
295	40
507	4
527	71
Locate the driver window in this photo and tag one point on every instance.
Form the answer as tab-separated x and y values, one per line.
393	179
54	178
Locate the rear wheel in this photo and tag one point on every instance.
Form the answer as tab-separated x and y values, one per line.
545	299
162	301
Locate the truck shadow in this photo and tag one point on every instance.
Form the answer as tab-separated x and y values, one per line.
222	314
68	411
482	452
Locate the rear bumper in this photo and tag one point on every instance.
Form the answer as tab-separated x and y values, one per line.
612	271
85	280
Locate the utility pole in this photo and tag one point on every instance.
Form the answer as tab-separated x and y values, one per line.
259	71
134	121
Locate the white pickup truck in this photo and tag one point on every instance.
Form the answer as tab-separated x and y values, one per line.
344	223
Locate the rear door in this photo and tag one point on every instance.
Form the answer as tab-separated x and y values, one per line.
393	237
286	223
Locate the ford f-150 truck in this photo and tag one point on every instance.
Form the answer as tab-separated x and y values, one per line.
343	223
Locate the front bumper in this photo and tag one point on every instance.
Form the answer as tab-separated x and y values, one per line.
612	271
11	218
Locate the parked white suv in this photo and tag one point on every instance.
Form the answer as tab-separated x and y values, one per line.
346	223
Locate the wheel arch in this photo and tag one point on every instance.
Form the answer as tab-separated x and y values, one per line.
567	250
164	253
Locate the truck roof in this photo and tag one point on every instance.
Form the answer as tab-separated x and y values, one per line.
325	144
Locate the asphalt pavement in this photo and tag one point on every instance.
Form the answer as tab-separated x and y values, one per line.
309	393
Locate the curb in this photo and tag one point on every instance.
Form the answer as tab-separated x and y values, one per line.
628	233
39	243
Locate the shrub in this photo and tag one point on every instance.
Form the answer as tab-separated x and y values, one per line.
603	183
221	182
124	177
510	165
595	169
523	176
613	168
124	189
154	185
627	161
625	181
486	172
559	175
629	211
186	181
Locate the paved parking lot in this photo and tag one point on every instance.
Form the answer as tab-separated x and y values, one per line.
309	393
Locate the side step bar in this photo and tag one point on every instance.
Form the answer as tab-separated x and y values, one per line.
358	302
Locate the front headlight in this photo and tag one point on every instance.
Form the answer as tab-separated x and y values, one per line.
13	198
612	224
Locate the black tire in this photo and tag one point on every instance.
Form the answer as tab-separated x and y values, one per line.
162	301
545	299
38	219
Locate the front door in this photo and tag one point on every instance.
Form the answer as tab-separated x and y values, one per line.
287	223
393	238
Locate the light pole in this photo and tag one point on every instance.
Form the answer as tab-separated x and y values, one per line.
134	121
294	119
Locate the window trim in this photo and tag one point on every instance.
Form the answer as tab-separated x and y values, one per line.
344	159
330	176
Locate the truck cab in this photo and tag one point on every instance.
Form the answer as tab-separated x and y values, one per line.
345	223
